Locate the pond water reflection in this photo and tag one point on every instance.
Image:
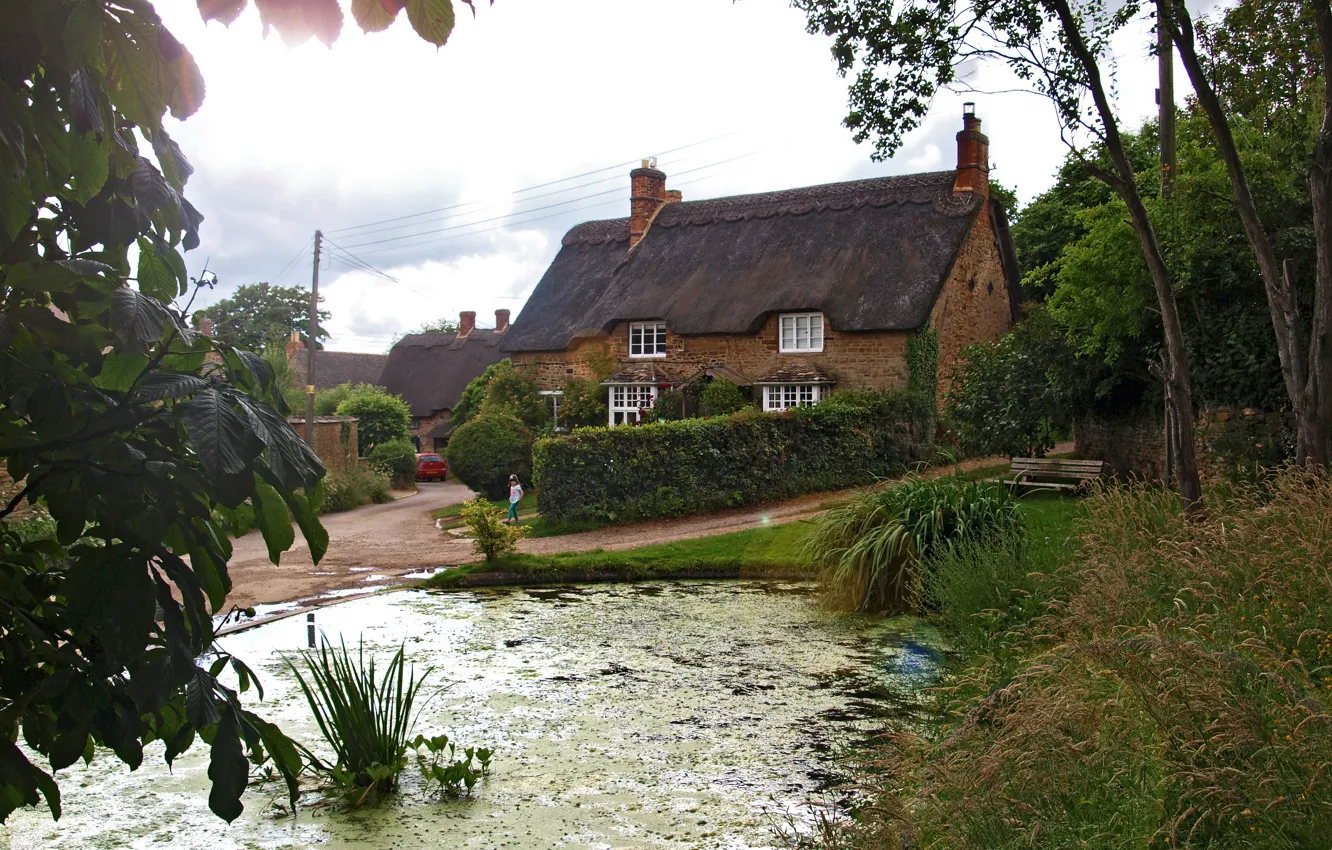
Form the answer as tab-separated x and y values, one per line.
671	714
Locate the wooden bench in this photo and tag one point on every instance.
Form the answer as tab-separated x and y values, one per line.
1034	472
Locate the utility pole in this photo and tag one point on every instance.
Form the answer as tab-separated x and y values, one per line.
1165	95
312	342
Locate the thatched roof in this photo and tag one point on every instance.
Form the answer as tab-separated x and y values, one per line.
340	367
430	371
870	254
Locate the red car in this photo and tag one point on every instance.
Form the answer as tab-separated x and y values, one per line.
431	467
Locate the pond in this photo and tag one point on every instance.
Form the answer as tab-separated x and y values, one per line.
663	715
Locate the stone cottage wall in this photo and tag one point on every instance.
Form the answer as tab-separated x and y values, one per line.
974	305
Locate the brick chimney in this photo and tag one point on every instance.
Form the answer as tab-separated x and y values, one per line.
674	196
973	155
294	345
206	327
466	322
647	192
501	320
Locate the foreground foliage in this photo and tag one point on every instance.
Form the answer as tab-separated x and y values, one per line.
141	446
1155	684
872	551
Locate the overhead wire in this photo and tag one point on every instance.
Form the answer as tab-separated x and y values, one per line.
527	189
356	262
615	191
293	259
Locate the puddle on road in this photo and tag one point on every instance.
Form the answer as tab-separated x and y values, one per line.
664	715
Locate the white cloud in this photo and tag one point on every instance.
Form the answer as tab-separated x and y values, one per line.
383	125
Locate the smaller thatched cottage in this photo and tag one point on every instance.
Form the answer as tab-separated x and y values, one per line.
334	368
430	372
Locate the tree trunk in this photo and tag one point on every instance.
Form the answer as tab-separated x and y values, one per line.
1317	399
1179	395
1297	368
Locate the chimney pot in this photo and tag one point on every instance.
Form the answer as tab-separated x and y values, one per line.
466	322
501	320
674	196
294	345
973	155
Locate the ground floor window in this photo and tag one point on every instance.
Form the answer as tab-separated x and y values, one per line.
626	400
783	396
553	404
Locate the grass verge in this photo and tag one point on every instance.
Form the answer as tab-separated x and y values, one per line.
1121	679
772	551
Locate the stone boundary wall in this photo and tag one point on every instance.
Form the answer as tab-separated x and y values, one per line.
1133	443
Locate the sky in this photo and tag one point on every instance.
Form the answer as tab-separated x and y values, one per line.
439	168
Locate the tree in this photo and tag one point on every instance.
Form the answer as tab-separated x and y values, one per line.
511	392
111	414
381	416
259	312
903	54
1307	369
439	326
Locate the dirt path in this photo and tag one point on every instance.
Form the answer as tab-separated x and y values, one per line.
366	548
384	545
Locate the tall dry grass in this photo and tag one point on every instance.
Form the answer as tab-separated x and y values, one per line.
1174	692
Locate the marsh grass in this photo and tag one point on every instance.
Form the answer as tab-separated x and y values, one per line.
1154	685
871	548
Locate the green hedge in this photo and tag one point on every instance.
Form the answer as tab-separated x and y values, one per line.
696	465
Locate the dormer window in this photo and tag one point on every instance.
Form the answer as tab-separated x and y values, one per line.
648	339
800	332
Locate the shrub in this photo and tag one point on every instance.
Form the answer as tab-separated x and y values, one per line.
343	490
491	535
583	404
677	468
871	550
398	459
327	401
382	417
487	450
721	397
1014	396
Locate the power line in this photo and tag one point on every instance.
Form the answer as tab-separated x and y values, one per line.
528	189
615	191
293	259
355	261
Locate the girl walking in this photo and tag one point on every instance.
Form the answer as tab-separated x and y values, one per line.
515	496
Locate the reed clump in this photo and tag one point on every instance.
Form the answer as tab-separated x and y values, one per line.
870	550
1154	684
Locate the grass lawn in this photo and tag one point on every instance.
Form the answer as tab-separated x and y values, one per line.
766	550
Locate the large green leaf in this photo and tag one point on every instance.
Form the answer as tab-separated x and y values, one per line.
155	276
282	750
228	769
432	19
216	432
270	512
20	782
164	385
136	319
316	536
120	370
90	165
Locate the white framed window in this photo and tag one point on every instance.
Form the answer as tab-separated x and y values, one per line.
627	400
647	339
553	404
800	332
784	396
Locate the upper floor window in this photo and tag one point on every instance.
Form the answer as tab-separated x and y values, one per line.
801	332
647	339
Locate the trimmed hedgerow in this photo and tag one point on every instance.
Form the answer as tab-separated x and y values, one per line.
696	465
